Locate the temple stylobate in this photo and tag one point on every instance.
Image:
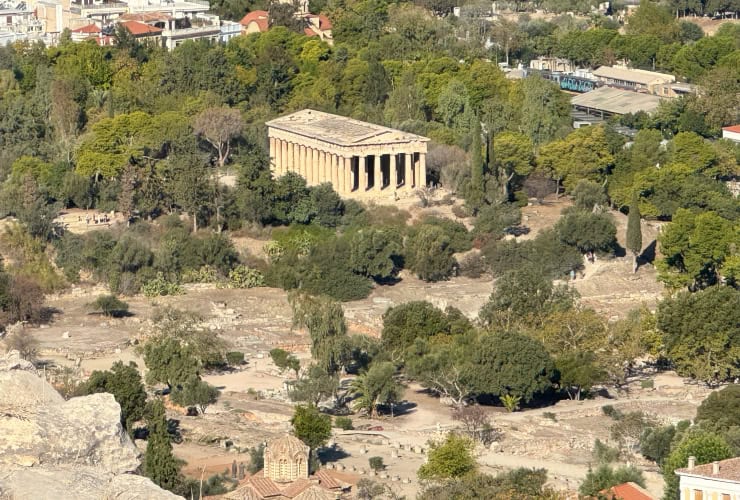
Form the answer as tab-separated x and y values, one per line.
358	158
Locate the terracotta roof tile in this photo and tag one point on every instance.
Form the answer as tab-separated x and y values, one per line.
265	487
296	487
326	481
90	28
256	16
138	28
728	470
628	491
732	128
324	22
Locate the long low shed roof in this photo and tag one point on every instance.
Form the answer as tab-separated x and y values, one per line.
340	130
616	101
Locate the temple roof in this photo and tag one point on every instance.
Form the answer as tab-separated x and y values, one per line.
340	130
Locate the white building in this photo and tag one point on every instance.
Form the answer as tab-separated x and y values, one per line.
732	133
715	481
18	24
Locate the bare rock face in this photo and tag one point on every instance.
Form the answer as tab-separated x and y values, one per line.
52	448
77	483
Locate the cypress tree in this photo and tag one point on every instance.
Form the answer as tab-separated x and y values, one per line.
476	190
160	465
634	231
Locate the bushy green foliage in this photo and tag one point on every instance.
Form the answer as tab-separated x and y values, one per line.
195	392
284	360
311	426
124	382
169	361
605	476
344	423
376	463
315	385
587	231
160	286
656	442
700	333
405	323
546	253
450	459
516	483
721	409
110	305
428	253
245	277
235	358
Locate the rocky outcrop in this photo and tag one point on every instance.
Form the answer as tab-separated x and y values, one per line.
76	483
52	448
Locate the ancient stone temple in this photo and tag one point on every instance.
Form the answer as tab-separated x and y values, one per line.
286	459
359	159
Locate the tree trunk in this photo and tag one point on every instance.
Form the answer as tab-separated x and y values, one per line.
635	264
195	222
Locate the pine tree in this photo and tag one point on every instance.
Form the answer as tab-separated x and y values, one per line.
160	465
634	231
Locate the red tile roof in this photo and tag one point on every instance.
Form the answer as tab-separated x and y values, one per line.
628	491
90	28
729	470
309	32
136	28
265	486
324	22
256	16
733	128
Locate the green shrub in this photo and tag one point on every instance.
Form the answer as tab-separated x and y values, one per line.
376	463
603	453
245	277
612	412
550	415
161	286
647	384
110	306
344	423
205	274
234	358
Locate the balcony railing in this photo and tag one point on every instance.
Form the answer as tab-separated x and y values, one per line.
77	8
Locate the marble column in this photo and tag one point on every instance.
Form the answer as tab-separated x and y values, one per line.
334	172
422	170
291	157
347	172
272	154
278	157
362	183
408	177
302	160
284	156
323	168
314	166
377	161
339	163
393	170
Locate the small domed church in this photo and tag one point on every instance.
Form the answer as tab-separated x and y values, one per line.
286	476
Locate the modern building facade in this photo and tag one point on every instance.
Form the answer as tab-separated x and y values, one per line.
359	159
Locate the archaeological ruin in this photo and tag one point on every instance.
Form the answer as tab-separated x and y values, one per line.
359	159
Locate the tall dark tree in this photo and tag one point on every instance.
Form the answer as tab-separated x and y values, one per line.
634	231
160	465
